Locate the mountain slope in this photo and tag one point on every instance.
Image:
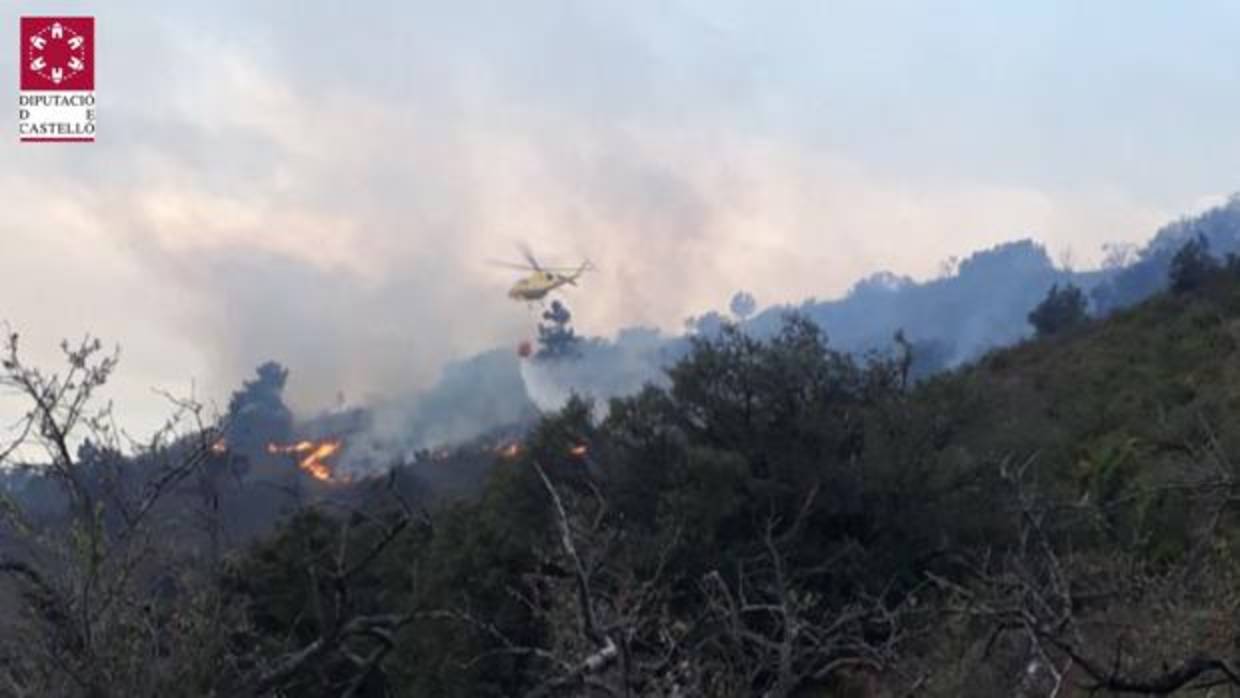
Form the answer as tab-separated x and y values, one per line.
1160	377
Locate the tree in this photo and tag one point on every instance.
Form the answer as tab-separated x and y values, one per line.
1062	309
257	413
742	305
91	581
1192	265
620	619
556	336
1117	255
1109	621
109	593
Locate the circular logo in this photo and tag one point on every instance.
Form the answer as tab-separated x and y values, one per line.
56	53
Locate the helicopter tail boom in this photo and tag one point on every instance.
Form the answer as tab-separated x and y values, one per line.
585	266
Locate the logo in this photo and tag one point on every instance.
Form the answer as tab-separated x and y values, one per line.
57	99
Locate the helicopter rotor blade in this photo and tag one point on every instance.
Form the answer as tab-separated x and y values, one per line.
510	265
529	256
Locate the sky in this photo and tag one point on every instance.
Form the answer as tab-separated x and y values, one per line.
322	183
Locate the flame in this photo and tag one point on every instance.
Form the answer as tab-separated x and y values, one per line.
511	450
313	455
219	447
578	451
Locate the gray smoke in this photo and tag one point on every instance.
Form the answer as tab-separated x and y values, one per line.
978	304
319	185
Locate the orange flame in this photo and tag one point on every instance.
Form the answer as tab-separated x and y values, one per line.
578	451
313	455
219	446
511	450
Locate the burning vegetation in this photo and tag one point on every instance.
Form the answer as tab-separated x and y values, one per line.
513	449
312	456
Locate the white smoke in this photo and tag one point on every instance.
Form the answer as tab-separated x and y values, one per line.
603	370
546	385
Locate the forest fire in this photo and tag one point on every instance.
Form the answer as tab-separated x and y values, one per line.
578	451
312	456
511	450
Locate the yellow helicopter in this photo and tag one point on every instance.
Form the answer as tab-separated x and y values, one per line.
541	280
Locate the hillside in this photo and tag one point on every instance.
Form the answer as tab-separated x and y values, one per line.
1157	379
776	518
1057	513
978	304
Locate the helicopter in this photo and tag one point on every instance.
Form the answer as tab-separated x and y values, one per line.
542	280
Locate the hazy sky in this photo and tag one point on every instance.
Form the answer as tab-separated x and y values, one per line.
319	183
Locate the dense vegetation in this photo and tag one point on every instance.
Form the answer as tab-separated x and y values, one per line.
1062	310
781	520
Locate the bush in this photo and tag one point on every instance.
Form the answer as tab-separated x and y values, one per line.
1062	309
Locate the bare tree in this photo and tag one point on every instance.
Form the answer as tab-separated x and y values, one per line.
612	630
348	635
773	634
104	594
1115	622
84	585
